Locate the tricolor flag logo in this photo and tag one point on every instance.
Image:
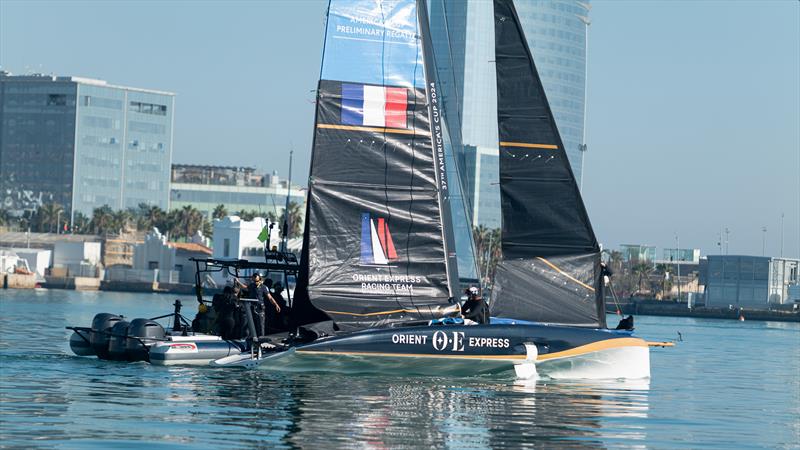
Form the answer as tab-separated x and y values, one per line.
377	246
374	106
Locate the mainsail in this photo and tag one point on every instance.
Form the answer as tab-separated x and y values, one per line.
378	245
550	267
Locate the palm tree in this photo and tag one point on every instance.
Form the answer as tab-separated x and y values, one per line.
80	223
187	221
219	212
49	216
122	220
642	271
5	217
147	216
247	215
102	220
295	215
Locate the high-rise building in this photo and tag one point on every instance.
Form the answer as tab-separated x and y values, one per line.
556	34
83	144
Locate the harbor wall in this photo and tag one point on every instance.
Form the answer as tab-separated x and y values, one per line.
649	307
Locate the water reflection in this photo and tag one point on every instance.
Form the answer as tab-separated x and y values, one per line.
375	412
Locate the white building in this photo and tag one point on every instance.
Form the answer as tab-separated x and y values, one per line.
38	260
79	258
235	238
169	262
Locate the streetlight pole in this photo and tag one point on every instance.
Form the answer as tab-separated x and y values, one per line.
763	241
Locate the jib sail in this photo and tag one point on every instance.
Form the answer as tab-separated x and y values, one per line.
378	242
550	267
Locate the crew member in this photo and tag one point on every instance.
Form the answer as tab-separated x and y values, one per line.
257	290
475	308
226	307
279	320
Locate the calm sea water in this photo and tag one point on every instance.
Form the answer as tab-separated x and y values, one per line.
727	385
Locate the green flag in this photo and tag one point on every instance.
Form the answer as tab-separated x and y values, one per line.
264	235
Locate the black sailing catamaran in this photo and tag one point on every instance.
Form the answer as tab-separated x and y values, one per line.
378	279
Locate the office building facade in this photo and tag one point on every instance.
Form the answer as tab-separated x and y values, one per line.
556	31
749	281
83	143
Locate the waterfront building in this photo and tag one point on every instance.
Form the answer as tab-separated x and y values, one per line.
237	188
638	252
680	255
37	259
556	31
83	143
749	281
169	261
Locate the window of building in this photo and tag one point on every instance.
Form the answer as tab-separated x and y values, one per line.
148	108
56	100
152	265
226	248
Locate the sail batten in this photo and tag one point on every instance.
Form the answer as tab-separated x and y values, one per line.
550	266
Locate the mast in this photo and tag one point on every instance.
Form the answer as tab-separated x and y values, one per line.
377	247
550	266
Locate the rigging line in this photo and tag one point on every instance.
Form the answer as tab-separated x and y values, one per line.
554	267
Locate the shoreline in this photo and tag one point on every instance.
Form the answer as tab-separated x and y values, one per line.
667	308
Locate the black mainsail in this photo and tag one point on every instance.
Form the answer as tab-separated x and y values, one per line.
378	244
550	267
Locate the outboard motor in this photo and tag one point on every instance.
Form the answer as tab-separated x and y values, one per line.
80	345
99	337
117	343
148	333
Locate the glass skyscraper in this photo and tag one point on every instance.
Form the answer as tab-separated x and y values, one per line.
83	143
556	34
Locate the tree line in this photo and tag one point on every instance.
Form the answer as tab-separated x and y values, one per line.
179	223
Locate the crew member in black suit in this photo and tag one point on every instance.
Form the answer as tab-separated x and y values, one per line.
257	290
475	308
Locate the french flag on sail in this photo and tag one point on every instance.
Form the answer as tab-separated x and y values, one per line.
374	106
377	246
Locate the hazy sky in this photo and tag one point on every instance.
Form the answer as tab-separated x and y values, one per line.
694	107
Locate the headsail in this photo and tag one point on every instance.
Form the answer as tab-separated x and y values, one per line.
377	242
550	270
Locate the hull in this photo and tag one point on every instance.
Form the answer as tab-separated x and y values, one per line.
528	349
192	350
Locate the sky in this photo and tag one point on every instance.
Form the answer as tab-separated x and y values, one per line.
693	107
